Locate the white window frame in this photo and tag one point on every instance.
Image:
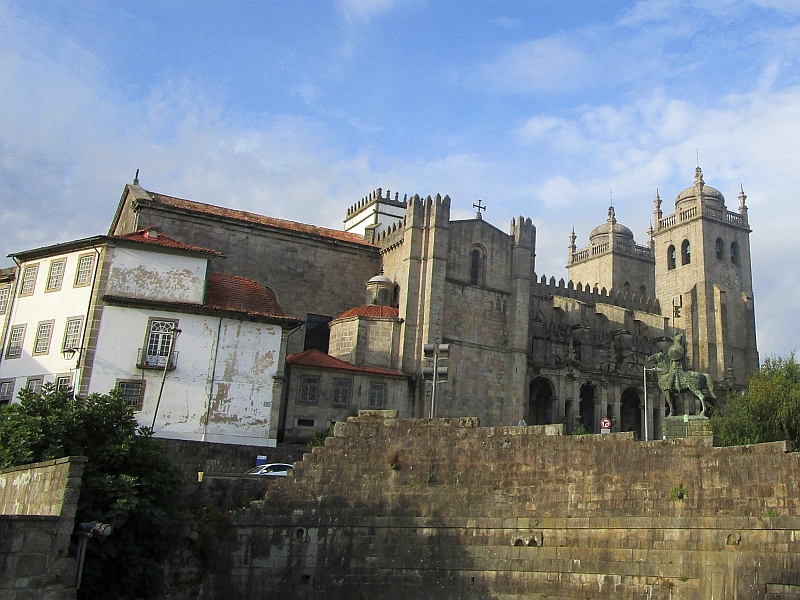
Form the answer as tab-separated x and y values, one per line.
40	338
160	341
54	280
15	351
309	389
120	383
25	280
76	341
34	384
5	296
87	272
340	383
376	401
63	381
6	391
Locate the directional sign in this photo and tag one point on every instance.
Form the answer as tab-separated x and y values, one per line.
605	423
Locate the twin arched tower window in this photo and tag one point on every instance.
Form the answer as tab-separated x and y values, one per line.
671	258
720	248
735	253
686	252
476	267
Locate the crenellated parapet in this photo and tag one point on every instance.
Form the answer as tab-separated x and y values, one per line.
377	196
523	232
392	236
437	210
541	286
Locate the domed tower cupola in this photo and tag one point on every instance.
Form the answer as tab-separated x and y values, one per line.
380	291
699	194
603	233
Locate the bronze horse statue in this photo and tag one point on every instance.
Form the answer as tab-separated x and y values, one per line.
675	380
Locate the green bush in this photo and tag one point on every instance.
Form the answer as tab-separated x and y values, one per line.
128	482
768	411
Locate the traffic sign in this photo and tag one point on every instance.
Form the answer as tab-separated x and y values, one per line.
605	423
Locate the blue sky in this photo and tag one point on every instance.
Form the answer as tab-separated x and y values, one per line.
297	109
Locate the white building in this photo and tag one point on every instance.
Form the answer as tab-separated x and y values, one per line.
199	355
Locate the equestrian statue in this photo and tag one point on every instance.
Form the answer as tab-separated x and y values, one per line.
674	380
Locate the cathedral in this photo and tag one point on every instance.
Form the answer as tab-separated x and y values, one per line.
522	346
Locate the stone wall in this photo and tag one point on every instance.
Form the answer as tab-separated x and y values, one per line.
37	517
394	508
191	457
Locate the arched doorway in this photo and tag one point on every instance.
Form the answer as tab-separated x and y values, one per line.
540	402
630	414
587	407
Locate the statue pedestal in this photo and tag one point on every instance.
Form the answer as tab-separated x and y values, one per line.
685	426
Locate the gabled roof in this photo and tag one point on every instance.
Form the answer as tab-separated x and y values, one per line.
315	358
370	310
144	196
230	292
151	236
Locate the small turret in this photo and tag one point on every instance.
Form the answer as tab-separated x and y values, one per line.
742	205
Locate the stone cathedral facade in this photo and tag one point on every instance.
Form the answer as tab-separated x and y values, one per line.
522	346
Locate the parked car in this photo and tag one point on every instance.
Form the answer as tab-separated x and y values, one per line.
271	470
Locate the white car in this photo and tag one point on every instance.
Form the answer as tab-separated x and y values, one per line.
271	470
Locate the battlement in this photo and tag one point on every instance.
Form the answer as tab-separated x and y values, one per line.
390	236
543	287
522	231
377	196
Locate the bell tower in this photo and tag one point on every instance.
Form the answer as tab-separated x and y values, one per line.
704	283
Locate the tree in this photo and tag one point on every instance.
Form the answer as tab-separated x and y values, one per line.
768	411
128	482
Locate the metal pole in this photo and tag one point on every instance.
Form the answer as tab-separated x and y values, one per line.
645	405
175	332
82	538
433	381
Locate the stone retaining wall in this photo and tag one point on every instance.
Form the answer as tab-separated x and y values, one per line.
394	508
37	517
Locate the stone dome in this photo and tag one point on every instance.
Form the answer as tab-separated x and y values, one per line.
600	233
711	195
381	279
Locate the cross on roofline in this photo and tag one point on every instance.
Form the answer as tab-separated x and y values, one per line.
480	208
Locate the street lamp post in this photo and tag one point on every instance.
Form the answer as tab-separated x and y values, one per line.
646	432
174	333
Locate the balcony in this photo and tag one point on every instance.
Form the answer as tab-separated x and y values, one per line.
156	362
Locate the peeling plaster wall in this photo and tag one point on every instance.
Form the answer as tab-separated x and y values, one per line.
241	398
237	374
157	276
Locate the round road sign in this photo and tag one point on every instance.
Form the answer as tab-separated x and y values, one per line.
605	423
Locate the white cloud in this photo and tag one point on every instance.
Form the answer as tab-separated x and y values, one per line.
552	64
364	10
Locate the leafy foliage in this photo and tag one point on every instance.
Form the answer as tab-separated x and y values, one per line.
768	411
128	482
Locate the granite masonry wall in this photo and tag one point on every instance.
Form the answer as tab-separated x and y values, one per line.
37	517
224	459
396	508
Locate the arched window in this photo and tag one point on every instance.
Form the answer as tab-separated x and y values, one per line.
686	253
626	287
735	253
643	291
720	248
671	258
476	267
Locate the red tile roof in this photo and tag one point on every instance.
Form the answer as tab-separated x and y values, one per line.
370	310
230	292
315	358
151	236
241	215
